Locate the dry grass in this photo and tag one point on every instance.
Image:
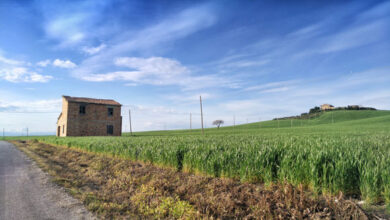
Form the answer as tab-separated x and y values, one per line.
118	188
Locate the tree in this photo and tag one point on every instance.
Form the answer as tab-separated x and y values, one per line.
315	110
218	123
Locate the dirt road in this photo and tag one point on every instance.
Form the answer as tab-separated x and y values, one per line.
27	193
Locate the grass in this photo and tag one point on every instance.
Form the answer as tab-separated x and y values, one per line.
345	151
115	188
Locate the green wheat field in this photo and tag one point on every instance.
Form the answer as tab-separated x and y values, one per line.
347	151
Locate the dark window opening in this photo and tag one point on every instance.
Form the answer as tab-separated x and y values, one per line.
110	111
63	129
82	109
110	129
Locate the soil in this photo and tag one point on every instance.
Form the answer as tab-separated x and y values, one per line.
114	187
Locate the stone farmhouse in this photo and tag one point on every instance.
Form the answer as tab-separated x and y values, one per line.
89	117
325	107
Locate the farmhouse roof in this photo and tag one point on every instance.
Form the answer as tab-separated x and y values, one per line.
92	101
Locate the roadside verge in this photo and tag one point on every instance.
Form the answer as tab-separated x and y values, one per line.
118	188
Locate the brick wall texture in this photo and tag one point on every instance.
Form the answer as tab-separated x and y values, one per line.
93	123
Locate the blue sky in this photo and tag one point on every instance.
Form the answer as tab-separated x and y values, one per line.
252	59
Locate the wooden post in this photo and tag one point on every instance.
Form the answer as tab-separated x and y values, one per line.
291	122
190	121
131	130
201	113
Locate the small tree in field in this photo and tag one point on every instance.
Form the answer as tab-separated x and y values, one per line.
218	123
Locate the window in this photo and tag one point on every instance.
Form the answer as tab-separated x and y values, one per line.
110	129
63	129
82	109
110	111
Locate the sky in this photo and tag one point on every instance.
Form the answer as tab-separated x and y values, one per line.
249	60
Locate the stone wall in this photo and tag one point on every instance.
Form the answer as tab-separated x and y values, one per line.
94	122
61	129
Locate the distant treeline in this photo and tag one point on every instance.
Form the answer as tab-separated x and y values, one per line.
316	111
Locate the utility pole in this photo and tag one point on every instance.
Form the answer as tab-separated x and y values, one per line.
190	121
201	113
131	130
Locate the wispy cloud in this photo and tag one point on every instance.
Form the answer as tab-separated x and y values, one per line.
356	36
70	24
159	71
43	63
66	30
278	89
38	115
50	105
8	61
94	50
246	63
189	98
272	85
183	24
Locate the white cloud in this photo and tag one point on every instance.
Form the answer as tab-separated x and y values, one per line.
43	63
153	70
17	71
21	74
64	64
57	63
94	50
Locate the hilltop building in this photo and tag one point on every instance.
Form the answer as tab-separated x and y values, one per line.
89	117
325	107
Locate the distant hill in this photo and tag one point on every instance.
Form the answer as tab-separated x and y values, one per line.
329	120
